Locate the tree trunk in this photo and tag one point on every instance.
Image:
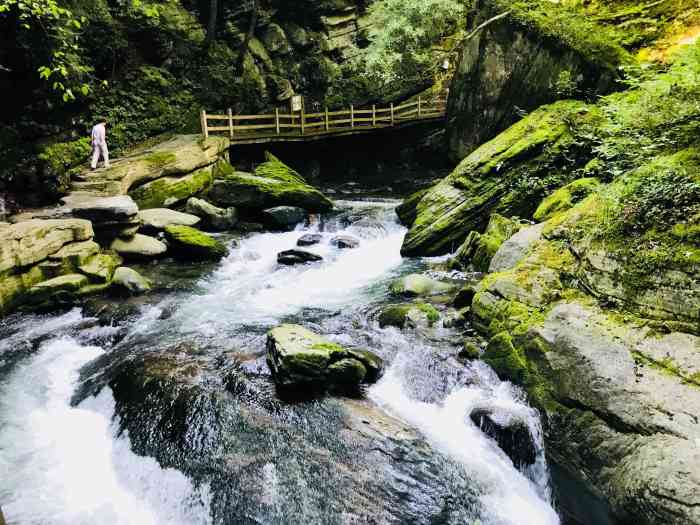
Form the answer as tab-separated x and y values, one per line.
211	24
248	36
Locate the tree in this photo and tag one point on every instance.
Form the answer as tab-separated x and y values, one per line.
211	23
63	69
403	34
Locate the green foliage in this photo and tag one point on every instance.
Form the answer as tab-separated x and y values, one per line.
64	68
402	35
61	157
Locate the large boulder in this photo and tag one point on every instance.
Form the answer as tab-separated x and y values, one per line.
139	246
273	184
508	175
178	156
524	57
302	360
219	219
168	191
189	243
130	280
156	219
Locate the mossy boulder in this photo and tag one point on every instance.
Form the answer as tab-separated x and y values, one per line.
411	315
131	281
100	267
139	247
564	198
213	217
273	184
478	249
508	175
190	243
417	285
310	364
168	191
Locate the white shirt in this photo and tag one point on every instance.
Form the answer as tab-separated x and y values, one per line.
99	135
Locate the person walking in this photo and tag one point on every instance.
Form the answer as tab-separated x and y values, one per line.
99	144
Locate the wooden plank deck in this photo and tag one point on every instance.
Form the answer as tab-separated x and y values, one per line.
300	127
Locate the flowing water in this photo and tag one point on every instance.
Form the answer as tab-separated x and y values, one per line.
170	416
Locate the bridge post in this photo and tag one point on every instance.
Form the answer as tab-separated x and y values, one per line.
302	119
230	122
374	115
392	113
419	101
205	128
327	121
352	116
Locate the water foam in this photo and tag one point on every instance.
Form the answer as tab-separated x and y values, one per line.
62	464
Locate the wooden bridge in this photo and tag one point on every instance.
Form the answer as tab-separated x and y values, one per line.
302	126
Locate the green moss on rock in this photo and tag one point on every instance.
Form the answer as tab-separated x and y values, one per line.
168	191
564	198
190	243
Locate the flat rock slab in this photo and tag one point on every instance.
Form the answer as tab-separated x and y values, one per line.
121	208
139	246
159	218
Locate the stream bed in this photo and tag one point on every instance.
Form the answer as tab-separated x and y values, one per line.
161	410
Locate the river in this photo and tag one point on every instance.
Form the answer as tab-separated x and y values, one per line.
169	416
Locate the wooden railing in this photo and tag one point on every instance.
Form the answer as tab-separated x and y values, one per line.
247	127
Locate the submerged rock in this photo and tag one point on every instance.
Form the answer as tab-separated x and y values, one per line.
190	243
299	358
417	285
139	246
345	242
513	436
292	257
310	239
216	218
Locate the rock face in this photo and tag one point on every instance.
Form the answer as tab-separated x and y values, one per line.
478	249
301	359
273	184
565	197
292	257
190	243
213	217
498	177
512	64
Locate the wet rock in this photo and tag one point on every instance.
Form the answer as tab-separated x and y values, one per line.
284	217
310	239
479	248
190	243
100	267
250	227
417	285
131	280
513	436
345	242
464	297
156	219
139	247
292	257
301	359
411	315
216	218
